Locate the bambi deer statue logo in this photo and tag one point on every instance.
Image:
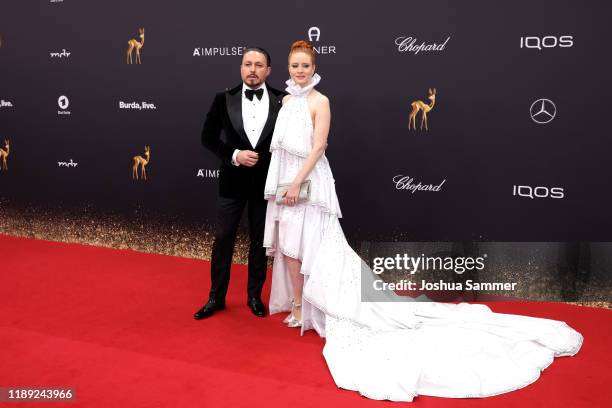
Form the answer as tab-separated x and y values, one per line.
4	154
423	108
142	162
134	44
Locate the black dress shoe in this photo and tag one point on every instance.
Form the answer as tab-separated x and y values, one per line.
257	307
209	309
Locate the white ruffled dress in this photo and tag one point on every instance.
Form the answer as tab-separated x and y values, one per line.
296	231
388	349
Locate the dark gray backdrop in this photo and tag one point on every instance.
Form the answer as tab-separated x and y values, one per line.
482	139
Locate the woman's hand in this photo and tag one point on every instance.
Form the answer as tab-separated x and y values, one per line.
291	196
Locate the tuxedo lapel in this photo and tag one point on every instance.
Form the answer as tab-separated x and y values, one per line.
275	105
233	99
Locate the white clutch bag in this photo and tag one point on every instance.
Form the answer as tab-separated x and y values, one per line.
303	196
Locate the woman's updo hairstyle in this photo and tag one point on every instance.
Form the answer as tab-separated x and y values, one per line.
303	46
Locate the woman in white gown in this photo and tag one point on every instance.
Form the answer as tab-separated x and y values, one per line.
384	350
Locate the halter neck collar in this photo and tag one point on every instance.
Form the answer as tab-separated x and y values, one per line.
296	90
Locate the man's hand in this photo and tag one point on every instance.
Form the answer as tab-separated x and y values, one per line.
247	158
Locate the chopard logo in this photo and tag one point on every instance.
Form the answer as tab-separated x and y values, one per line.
543	111
549	41
63	54
407	183
136	105
412	45
67	164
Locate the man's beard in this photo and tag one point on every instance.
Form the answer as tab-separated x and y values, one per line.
253	82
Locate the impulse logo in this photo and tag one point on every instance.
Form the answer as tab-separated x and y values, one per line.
67	164
217	51
63	54
136	105
208	173
6	104
537	192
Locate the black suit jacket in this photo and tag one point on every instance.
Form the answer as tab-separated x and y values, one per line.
225	115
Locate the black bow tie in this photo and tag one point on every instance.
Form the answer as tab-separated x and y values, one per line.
249	93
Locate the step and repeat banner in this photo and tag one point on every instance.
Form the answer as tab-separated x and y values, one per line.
451	120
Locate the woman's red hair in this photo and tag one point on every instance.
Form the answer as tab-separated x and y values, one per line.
303	46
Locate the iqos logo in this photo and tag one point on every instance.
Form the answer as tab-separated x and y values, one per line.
538	192
549	41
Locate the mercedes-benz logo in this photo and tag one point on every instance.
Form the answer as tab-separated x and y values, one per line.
543	111
63	102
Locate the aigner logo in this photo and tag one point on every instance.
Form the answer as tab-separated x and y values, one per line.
63	103
420	106
142	162
543	111
134	44
410	44
549	41
4	154
6	104
537	192
63	54
407	183
314	33
67	164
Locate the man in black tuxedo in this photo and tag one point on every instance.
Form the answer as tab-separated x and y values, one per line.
246	114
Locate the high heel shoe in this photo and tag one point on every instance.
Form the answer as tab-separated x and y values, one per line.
290	315
288	318
292	321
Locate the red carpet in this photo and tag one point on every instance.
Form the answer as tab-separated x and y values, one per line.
118	326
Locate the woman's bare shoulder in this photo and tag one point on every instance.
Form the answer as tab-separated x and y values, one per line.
318	99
